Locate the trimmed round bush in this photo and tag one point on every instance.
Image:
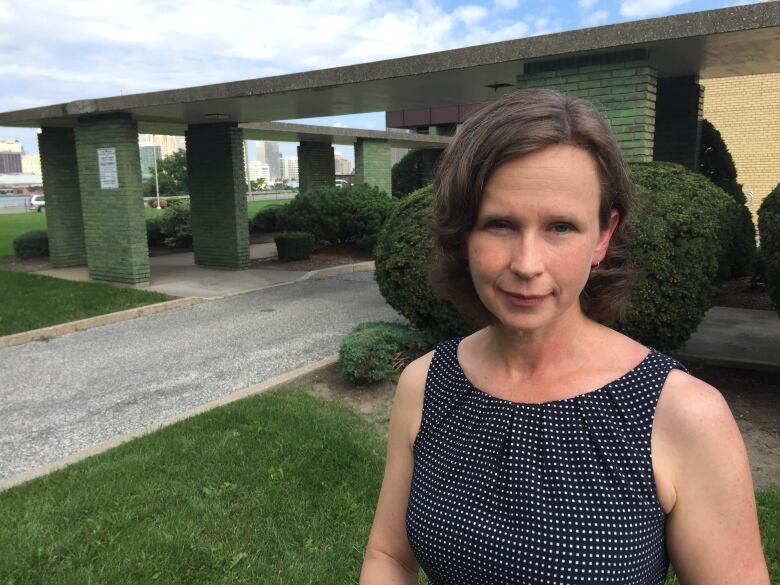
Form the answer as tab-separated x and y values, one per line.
737	230
676	250
267	219
371	352
34	244
154	235
176	224
769	231
163	203
409	173
338	215
294	245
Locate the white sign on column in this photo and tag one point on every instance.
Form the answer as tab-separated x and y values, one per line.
107	165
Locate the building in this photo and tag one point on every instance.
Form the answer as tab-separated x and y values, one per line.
11	146
148	154
168	144
744	110
342	165
268	152
31	164
257	169
10	162
290	168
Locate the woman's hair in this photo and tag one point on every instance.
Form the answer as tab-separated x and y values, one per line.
513	126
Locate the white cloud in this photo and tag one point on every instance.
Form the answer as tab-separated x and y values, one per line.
597	18
470	14
643	8
586	4
505	4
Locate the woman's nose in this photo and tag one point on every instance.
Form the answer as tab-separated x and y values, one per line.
527	258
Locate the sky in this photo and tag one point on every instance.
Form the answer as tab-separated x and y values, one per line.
55	51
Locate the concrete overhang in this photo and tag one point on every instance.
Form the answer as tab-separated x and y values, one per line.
728	42
285	132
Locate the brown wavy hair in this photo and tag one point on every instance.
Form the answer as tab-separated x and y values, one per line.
510	127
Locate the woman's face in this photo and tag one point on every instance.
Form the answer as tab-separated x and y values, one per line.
536	237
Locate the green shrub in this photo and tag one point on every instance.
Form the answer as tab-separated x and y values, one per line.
352	214
267	219
676	250
294	245
34	244
154	235
176	224
737	230
413	171
769	230
371	352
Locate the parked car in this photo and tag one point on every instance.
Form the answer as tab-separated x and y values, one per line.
37	203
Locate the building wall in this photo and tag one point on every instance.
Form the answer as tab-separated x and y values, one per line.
746	111
10	162
31	163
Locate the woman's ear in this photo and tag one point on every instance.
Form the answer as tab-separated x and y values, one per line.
605	235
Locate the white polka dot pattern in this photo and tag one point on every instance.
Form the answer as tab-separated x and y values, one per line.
557	492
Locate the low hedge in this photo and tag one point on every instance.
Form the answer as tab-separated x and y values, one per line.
769	232
154	235
373	351
176	224
34	244
677	248
267	219
294	245
352	214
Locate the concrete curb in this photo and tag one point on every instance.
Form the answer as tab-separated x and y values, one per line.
338	270
47	333
253	390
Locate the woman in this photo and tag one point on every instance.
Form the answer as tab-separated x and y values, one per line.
547	447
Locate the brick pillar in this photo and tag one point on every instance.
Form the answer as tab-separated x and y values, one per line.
622	85
112	199
215	167
678	118
372	163
316	166
64	222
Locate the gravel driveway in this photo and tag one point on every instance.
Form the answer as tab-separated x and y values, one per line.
76	391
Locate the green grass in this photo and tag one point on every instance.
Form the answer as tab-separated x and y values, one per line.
276	489
13	225
31	301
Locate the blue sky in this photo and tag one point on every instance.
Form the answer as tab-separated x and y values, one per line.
54	51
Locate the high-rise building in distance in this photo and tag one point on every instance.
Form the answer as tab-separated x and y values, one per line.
290	168
168	144
268	152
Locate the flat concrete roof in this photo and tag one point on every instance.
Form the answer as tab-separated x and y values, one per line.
717	43
285	132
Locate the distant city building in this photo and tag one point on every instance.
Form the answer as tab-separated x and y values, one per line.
31	164
268	152
11	146
148	153
290	168
10	162
342	165
168	144
259	170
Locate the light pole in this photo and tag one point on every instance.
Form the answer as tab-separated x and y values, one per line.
156	182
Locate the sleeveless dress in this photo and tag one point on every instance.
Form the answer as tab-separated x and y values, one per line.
557	492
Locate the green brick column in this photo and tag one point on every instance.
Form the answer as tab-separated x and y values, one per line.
112	199
215	167
678	120
316	166
64	222
622	85
373	163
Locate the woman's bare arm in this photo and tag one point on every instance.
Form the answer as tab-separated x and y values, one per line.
712	530
388	559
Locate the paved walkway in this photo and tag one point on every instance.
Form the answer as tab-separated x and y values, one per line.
73	392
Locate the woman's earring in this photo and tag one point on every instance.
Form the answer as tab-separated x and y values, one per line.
593	267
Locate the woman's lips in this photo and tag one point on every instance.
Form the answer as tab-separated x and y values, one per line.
524	300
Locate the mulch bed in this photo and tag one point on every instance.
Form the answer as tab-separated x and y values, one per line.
739	294
336	255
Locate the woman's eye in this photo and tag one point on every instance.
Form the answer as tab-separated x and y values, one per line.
562	228
497	224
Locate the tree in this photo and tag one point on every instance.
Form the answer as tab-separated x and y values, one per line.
257	184
171	175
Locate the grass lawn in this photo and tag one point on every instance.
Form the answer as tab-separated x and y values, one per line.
12	225
275	489
31	301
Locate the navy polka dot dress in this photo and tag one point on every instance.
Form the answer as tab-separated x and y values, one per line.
558	492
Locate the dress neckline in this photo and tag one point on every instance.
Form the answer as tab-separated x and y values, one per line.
589	393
